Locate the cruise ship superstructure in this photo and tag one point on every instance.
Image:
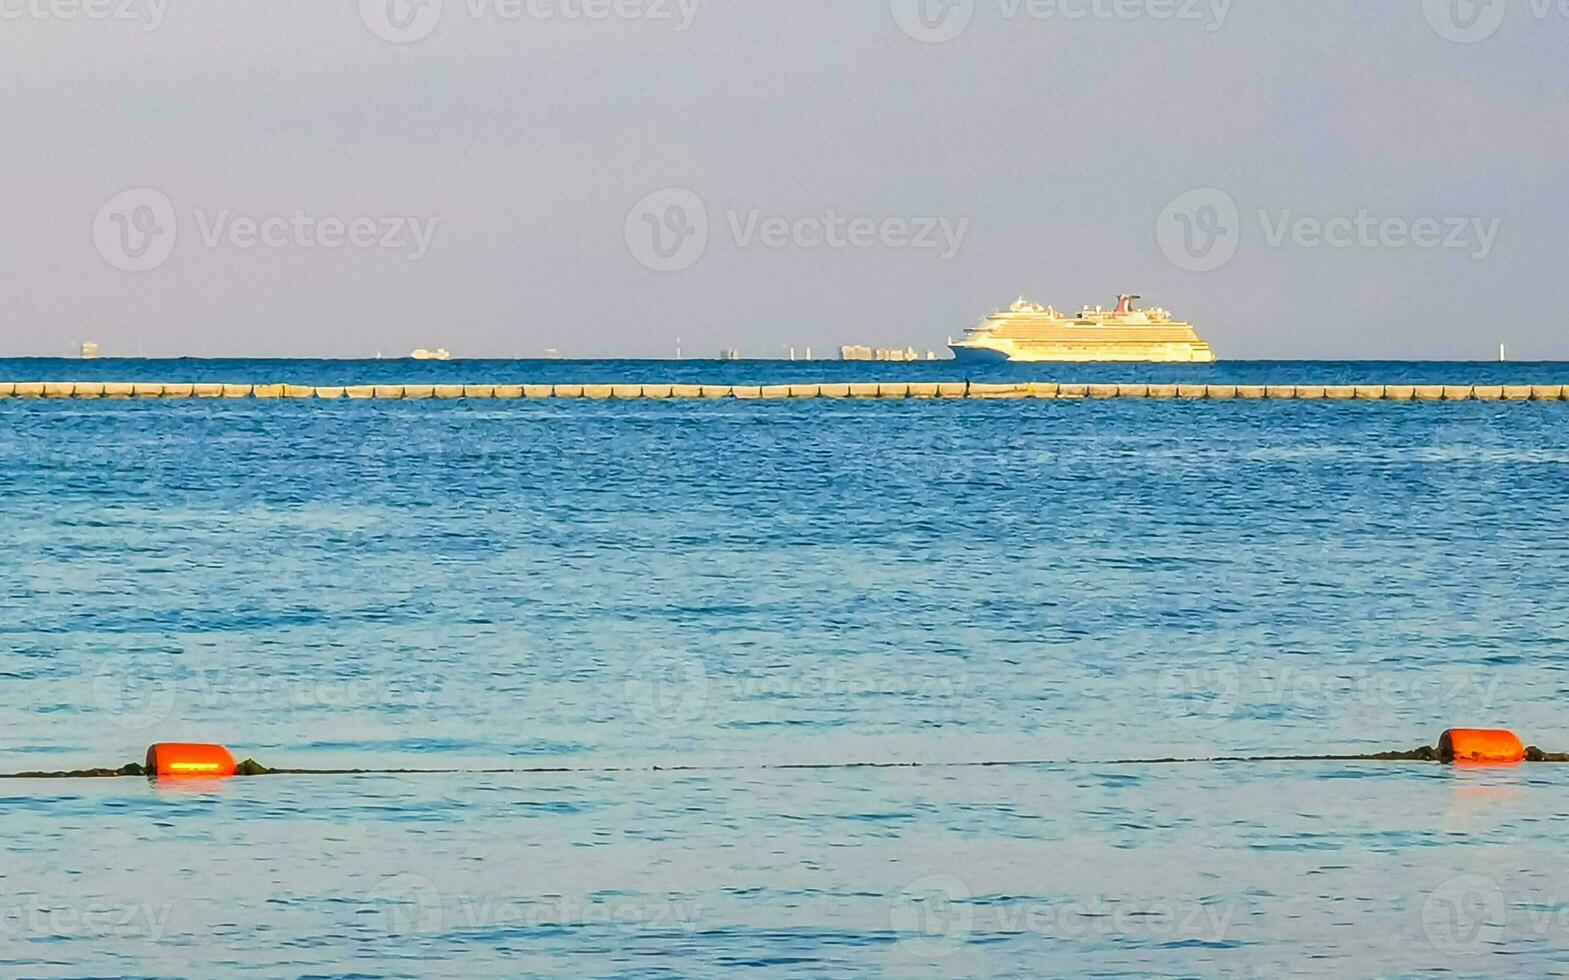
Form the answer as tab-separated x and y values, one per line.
1028	331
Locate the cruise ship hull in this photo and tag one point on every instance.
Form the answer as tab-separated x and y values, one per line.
978	355
1094	353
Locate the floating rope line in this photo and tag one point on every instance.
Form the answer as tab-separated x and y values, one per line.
830	390
1483	746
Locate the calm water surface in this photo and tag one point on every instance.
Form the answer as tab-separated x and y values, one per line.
738	585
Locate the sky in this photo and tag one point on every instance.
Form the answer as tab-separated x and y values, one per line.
342	178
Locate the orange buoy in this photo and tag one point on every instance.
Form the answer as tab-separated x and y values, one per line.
1480	745
189	759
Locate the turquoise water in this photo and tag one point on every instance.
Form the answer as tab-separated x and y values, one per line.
739	585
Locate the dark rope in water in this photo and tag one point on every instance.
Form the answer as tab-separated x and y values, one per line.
250	767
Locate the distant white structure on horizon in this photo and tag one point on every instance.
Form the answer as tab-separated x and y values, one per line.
856	352
439	354
90	351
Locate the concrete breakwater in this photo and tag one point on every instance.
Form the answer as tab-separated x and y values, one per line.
869	389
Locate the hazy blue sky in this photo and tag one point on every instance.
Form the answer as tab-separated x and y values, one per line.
1048	147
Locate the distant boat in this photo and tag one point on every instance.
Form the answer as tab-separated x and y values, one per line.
439	354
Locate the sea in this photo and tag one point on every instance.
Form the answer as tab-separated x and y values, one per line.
784	689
